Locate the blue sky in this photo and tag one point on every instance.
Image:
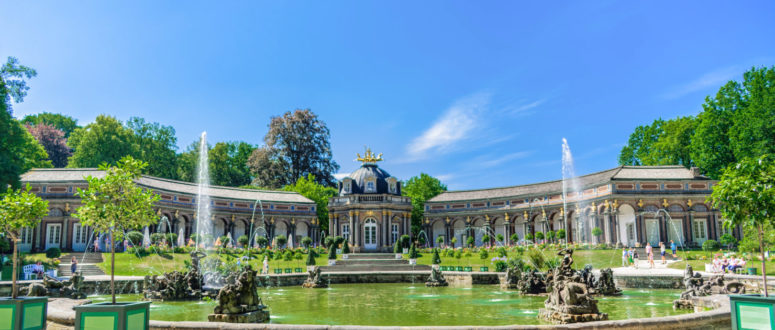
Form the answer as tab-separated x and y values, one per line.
478	93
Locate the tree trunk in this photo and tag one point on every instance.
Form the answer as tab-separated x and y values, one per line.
764	270
112	268
15	261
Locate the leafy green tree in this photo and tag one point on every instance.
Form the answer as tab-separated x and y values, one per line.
156	145
728	240
529	237
19	151
745	196
440	240
306	242
753	129
485	239
641	144
280	241
114	203
514	238
453	241
66	124
19	209
673	147
539	235
470	241
310	188
262	241
711	149
228	163
550	235
597	232
53	141
421	188
436	259
499	238
297	144
106	140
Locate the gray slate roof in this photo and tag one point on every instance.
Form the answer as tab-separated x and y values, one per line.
673	172
77	175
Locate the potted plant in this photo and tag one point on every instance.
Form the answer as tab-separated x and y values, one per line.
110	204
453	241
345	249
405	240
413	255
745	196
397	250
436	259
332	242
597	232
306	242
280	241
485	240
470	241
310	259
20	209
440	240
514	238
550	235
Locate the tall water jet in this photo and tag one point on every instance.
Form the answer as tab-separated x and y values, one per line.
570	183
204	226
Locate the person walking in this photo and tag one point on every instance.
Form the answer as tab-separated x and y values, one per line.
673	248
650	254
73	265
635	257
625	258
662	251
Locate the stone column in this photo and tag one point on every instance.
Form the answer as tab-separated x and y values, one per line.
351	237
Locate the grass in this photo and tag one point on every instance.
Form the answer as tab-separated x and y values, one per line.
597	258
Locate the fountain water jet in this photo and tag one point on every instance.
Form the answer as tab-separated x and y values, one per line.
570	183
204	225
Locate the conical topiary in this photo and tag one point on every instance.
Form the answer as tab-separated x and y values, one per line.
413	252
311	258
436	258
345	248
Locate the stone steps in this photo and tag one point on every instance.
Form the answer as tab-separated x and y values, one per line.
372	262
85	269
371	256
374	268
86	258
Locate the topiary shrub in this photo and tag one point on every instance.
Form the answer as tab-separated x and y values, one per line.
561	234
298	255
450	253
453	241
514	238
728	240
440	240
224	240
346	248
310	258
135	238
470	241
280	241
485	239
436	259
710	245
500	266
529	237
539	235
262	241
405	240
396	248
53	252
243	240
306	242
501	252
156	238
413	252
483	254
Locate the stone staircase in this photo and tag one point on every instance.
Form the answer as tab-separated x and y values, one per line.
373	262
86	264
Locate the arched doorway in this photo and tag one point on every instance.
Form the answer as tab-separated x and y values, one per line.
439	231
370	234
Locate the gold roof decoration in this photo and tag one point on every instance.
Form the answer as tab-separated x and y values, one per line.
690	203
369	157
665	203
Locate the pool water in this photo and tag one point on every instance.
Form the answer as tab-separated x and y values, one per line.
408	305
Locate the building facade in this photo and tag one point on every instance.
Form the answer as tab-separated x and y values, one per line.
632	205
369	211
234	211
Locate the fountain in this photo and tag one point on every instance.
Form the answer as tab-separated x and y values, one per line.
436	278
204	225
606	285
176	285
313	279
696	286
569	299
238	301
146	238
569	178
181	237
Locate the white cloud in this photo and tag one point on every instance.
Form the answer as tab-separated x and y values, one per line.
498	160
455	125
340	176
711	79
523	109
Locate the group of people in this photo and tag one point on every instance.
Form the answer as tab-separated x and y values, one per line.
630	256
721	265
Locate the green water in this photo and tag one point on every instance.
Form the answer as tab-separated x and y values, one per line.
404	304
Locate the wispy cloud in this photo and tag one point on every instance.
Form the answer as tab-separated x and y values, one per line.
714	78
340	176
456	124
496	160
524	108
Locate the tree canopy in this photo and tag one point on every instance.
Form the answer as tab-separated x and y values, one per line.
310	188
156	145
64	123
734	124
106	140
53	141
297	144
228	163
421	188
19	151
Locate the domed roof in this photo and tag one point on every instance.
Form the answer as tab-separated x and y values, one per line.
368	172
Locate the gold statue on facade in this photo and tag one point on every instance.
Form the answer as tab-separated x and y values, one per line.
369	157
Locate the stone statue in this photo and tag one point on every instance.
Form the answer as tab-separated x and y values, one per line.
313	279
34	290
606	285
588	278
176	285
569	299
696	286
436	278
532	282
238	301
70	288
513	275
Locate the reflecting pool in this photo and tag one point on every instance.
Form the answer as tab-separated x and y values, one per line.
405	304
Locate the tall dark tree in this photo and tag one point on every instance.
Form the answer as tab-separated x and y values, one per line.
64	123
641	144
53	140
421	188
106	140
269	171
19	151
156	145
299	140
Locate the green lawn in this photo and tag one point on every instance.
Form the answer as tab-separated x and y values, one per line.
597	258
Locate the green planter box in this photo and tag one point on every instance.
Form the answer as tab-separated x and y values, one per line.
288	271
107	316
297	270
751	271
25	313
278	271
752	312
459	268
469	269
484	269
443	268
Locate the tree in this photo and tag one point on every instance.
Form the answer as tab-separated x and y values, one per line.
421	188
550	235
280	241
514	238
306	242
66	124
485	239
243	241
156	145
310	188
539	235
453	241
529	237
268	169
711	149
470	241
19	152
745	196
661	143
262	241
440	240
499	238
297	142
228	163
752	133
19	209
310	258
641	144
561	234
728	240
436	259
597	232
114	204
106	140
53	141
